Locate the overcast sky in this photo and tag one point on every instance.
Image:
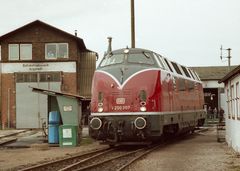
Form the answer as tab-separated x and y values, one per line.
187	31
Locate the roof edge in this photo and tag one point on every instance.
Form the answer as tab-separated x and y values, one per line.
230	74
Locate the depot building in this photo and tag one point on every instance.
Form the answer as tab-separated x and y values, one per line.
43	56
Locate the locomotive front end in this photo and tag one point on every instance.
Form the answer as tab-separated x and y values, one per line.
125	93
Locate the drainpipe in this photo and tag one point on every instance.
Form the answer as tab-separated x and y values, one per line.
8	107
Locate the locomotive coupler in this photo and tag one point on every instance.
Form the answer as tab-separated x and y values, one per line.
141	134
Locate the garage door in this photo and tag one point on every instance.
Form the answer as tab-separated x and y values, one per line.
31	108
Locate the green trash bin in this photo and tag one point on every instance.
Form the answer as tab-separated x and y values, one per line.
68	136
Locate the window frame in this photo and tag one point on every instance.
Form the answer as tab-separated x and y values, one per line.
19	47
237	101
191	73
176	68
20	50
228	103
9	52
57	51
104	60
168	65
185	71
232	102
145	54
159	60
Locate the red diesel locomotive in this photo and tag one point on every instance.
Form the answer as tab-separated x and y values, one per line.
138	96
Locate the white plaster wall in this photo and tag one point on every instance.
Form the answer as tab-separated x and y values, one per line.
233	125
212	84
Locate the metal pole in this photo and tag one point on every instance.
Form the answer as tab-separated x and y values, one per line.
132	24
229	58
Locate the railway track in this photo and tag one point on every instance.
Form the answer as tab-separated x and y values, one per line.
105	159
4	140
109	159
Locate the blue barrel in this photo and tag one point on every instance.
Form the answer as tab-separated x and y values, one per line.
53	137
54	117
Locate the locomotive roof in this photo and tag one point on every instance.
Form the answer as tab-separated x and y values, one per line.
131	50
167	64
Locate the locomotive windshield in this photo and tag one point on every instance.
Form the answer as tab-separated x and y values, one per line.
118	58
112	59
141	58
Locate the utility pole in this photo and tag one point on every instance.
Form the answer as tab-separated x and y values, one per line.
228	57
132	24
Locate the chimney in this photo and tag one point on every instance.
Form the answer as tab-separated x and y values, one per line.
109	45
76	33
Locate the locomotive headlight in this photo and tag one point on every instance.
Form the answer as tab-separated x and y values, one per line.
143	108
95	123
140	123
100	107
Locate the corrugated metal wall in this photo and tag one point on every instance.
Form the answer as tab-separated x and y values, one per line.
87	66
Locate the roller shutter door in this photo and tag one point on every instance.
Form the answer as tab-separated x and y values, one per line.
31	107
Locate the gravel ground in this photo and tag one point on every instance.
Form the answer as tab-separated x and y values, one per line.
196	152
11	158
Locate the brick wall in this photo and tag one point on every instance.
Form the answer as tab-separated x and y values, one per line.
38	35
8	100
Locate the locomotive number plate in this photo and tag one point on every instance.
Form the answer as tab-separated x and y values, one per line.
120	100
118	108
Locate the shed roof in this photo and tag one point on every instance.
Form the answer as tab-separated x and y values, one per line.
79	40
230	74
55	93
212	72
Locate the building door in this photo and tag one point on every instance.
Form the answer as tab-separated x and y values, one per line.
31	107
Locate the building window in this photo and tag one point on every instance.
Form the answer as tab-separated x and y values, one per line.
232	102
38	77
237	101
228	102
13	52
25	51
20	52
56	50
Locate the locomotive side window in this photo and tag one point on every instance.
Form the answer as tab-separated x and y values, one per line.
168	64
196	75
185	71
141	58
176	68
112	59
191	74
159	60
